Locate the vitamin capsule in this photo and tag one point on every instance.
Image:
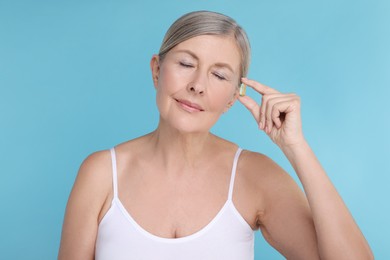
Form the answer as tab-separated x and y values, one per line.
242	90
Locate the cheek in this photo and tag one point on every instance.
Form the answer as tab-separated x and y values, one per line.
220	99
169	80
167	86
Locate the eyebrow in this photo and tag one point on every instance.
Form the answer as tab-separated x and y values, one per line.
218	64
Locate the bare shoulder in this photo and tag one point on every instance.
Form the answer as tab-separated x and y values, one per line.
267	176
264	184
93	185
96	160
282	205
262	170
95	171
252	160
84	208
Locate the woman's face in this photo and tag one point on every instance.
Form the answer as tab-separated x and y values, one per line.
197	81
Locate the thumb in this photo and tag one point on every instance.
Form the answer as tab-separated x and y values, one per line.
251	105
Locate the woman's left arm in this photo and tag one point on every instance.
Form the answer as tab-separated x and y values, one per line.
279	116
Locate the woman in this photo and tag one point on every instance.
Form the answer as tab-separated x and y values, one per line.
181	192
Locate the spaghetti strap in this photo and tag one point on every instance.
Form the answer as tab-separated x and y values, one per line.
114	173
231	186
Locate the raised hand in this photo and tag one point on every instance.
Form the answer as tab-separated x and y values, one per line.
278	114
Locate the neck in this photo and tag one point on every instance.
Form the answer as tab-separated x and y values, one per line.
175	149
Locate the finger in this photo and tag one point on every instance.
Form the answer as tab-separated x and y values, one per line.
277	110
261	88
268	117
263	110
251	105
275	105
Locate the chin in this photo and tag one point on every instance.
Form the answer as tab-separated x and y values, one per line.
185	122
186	125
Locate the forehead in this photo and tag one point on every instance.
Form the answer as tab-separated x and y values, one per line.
212	48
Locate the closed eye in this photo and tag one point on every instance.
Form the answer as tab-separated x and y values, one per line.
186	65
220	77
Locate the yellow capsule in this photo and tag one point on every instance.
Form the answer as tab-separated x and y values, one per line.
242	90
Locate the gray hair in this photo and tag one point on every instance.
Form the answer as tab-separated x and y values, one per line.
207	23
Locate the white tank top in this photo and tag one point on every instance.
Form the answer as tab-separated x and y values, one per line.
228	236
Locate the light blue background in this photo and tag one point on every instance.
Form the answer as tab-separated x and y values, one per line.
74	78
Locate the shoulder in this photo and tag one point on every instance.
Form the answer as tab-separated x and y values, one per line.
96	160
94	179
90	191
96	166
259	165
282	208
265	176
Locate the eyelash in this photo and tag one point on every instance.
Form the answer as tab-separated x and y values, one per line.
219	76
187	65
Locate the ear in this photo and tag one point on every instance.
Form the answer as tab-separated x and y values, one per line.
155	68
231	102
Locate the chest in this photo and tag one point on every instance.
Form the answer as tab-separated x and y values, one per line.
180	205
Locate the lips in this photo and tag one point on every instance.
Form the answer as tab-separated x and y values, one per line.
189	106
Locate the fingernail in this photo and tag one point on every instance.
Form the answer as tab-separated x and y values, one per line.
266	129
261	125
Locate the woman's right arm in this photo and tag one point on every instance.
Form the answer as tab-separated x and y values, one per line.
91	189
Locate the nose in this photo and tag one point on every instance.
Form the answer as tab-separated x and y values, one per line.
194	88
197	85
